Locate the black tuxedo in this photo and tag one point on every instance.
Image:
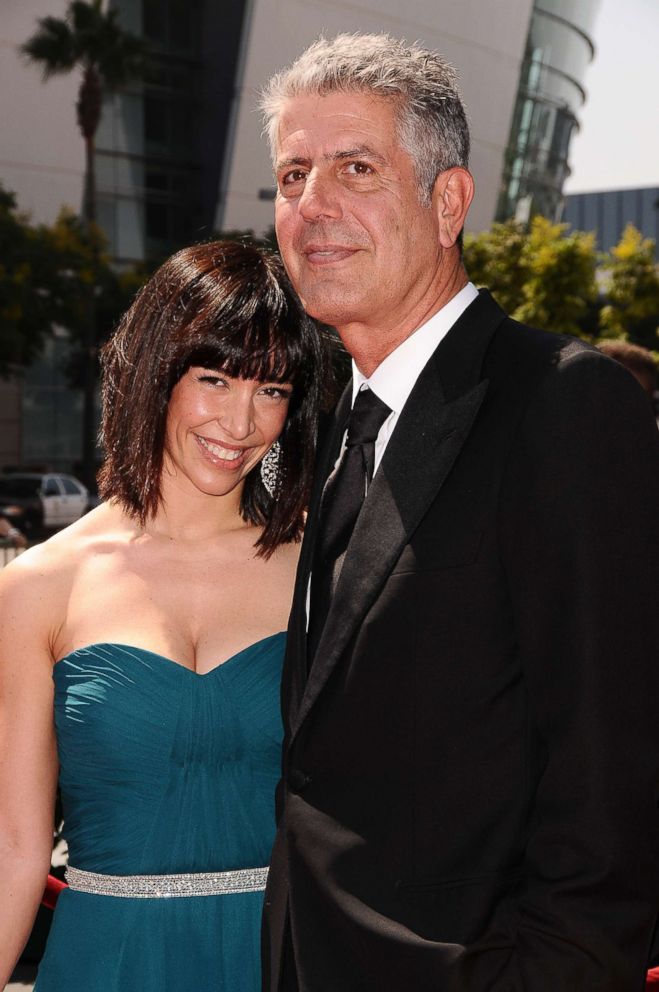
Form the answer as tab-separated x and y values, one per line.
470	768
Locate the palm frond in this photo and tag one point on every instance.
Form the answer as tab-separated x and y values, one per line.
51	46
89	37
121	59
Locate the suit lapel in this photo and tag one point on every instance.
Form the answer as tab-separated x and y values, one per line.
428	437
296	649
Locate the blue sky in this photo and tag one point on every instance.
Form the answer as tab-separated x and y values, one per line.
618	145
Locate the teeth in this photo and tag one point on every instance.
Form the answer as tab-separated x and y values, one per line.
228	454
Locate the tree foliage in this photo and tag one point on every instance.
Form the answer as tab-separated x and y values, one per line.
48	275
561	281
494	259
544	276
26	279
87	278
632	291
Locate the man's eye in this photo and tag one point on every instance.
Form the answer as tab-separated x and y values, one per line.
358	169
295	176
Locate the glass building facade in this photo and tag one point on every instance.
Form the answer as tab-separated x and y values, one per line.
549	98
161	145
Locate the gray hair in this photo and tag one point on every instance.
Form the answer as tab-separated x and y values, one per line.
431	118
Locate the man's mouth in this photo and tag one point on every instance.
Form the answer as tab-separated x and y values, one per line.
321	254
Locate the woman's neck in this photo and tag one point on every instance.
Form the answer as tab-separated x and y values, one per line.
188	516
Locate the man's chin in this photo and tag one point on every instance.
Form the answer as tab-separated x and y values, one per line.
329	307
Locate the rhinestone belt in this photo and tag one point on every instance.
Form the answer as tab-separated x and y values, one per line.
212	883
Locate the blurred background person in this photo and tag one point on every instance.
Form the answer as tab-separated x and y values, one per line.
638	361
12	535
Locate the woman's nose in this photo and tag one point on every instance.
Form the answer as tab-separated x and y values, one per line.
237	416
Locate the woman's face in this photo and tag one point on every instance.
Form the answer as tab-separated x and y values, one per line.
219	428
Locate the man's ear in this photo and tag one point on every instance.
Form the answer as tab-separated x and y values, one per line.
452	195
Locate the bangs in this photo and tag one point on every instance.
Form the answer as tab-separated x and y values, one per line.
256	351
246	322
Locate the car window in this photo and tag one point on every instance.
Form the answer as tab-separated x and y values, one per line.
70	486
18	487
50	487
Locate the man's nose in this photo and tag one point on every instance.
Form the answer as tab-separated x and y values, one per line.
320	198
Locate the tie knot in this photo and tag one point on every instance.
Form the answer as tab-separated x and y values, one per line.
366	418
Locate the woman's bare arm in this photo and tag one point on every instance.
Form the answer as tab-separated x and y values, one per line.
28	757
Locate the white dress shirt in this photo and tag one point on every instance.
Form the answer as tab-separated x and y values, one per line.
395	377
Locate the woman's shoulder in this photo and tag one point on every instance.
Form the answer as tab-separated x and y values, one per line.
36	587
48	568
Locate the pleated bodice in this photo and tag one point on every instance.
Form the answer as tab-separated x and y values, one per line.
163	771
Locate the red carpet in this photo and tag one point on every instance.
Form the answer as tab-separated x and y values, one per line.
51	892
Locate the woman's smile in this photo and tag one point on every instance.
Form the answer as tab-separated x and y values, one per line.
221	453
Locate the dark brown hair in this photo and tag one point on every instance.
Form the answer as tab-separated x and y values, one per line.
224	306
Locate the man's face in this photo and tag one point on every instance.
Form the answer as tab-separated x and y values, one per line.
358	245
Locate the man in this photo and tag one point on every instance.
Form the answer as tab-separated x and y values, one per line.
470	762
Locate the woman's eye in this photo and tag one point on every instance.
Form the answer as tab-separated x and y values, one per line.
212	380
276	392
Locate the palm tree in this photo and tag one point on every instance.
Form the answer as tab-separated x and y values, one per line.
88	38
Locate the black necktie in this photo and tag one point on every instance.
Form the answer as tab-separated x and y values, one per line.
342	500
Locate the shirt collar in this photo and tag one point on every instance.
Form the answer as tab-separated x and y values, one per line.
394	378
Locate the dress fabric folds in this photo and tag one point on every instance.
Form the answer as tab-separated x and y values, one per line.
163	771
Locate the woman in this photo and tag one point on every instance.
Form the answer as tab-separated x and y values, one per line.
162	612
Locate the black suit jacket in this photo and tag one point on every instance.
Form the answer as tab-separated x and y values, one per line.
469	793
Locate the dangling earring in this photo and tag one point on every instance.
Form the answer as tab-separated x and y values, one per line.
270	469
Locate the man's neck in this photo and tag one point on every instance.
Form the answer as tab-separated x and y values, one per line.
370	345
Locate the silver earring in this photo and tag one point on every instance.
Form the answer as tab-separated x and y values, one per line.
270	469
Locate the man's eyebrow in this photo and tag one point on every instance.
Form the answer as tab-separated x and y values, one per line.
360	151
284	163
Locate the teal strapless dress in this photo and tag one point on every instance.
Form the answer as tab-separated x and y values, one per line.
163	771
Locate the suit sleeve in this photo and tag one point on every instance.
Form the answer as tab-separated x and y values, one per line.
580	543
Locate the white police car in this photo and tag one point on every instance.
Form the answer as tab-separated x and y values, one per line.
31	501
